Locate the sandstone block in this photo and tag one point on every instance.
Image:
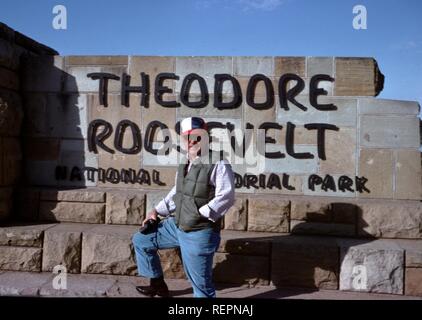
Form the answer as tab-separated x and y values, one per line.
289	164
305	262
239	269
6	202
23	235
8	55
390	220
384	106
344	116
206	67
248	66
115	112
72	212
82	195
109	250
236	217
23	283
95	60
153	198
56	115
372	270
323	84
320	65
246	243
43	149
152	66
414	257
11	113
119	162
12	160
376	165
269	215
27	203
413	285
35	107
390	131
323	211
315	211
340	152
125	208
44	74
167	116
357	77
408	182
62	246
76	79
20	258
283	65
41	172
9	79
257	117
69	118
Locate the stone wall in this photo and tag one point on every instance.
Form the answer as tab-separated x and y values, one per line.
357	218
14	49
373	154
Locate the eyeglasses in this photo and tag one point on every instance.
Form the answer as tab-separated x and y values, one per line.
192	137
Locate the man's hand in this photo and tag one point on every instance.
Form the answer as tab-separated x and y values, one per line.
151	215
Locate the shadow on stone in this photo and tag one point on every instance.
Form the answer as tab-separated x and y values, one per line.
300	259
52	137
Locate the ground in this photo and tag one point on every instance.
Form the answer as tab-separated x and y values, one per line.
90	285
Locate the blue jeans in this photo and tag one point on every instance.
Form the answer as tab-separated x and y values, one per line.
197	248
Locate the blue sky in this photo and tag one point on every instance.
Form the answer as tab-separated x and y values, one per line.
235	27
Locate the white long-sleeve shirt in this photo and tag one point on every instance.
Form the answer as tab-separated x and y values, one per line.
222	178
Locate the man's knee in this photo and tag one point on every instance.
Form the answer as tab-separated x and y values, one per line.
141	241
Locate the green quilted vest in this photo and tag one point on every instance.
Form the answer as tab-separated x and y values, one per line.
192	192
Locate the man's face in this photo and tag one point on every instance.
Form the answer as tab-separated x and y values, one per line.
194	143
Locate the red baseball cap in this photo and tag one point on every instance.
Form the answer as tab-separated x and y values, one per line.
192	125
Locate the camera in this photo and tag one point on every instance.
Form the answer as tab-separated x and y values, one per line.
149	226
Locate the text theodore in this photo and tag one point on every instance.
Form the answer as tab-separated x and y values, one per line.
100	131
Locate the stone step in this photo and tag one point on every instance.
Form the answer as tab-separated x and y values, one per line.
335	216
243	258
36	284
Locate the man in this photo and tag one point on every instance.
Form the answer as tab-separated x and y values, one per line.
203	193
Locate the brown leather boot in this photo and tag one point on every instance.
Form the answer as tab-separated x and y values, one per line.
157	287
